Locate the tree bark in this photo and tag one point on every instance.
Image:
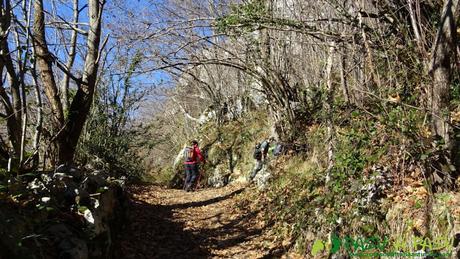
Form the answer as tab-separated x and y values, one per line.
44	64
44	61
329	106
79	109
443	51
68	130
343	77
13	107
415	25
71	59
39	118
22	58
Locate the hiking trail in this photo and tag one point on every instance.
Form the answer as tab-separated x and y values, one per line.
208	223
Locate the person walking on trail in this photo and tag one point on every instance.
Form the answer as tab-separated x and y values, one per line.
193	157
260	155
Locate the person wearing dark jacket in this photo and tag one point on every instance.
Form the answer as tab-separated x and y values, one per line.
260	155
193	157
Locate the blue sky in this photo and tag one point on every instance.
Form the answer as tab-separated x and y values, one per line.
136	14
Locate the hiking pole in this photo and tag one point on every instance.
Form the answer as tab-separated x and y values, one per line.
185	183
198	180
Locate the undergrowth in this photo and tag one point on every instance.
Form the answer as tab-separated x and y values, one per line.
395	142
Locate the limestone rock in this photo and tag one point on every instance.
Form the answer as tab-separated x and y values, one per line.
219	176
263	177
68	244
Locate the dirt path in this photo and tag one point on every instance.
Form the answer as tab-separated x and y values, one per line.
209	223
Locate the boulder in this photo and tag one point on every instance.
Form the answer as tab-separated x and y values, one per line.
89	209
14	229
456	244
70	171
73	248
67	242
83	198
219	176
93	182
237	177
108	217
178	161
263	177
37	186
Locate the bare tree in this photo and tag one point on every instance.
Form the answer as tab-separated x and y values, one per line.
67	130
329	107
441	64
13	106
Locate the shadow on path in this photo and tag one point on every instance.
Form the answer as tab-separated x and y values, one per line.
151	233
205	202
154	232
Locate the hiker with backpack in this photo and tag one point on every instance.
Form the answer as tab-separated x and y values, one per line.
260	155
192	157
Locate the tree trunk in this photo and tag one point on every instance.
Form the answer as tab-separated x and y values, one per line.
13	108
443	51
359	80
39	116
81	103
67	131
71	59
13	126
45	67
415	25
343	77
329	106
